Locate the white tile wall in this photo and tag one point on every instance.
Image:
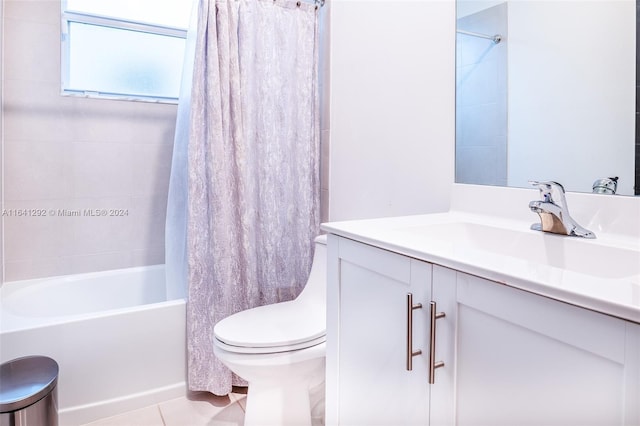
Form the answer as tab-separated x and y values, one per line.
154	178
70	153
32	50
32	10
102	169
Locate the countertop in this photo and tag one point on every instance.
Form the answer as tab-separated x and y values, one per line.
602	274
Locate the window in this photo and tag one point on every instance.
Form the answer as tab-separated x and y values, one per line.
130	49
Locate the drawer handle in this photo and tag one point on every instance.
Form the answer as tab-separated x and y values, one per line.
410	352
433	364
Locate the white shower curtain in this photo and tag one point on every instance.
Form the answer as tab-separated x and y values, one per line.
252	163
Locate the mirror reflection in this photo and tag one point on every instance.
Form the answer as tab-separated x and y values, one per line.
545	90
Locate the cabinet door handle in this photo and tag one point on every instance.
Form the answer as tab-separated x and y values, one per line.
410	352
433	364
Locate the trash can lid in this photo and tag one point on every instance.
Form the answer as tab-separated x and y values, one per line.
26	380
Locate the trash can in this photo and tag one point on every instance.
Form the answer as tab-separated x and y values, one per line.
28	392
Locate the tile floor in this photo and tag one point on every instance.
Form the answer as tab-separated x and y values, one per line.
198	409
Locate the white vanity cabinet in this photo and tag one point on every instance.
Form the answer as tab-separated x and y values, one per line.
524	359
368	382
510	356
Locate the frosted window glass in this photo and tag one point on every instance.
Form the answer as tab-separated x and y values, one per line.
172	13
110	60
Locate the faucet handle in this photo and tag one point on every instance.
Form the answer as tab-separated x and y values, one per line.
547	189
547	185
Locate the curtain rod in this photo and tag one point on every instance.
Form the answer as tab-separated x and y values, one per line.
495	38
317	3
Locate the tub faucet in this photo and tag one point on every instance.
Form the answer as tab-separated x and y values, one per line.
554	213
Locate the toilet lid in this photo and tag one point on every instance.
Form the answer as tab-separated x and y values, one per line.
273	328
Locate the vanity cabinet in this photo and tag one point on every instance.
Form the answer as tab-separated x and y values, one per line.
369	343
509	356
521	358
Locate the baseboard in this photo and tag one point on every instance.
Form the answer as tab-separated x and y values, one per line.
82	414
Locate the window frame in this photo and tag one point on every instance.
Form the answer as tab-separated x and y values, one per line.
68	17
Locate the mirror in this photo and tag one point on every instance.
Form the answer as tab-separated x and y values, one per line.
552	98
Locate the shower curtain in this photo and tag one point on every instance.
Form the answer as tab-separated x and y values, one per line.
249	161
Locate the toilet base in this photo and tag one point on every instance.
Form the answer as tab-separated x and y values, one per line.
285	389
278	406
286	403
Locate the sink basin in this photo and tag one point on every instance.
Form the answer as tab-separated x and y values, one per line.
569	253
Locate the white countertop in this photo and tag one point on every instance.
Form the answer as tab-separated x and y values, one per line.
601	274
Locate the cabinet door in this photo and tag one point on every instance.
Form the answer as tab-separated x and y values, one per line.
525	359
444	289
374	386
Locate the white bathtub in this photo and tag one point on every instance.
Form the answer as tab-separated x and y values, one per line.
119	344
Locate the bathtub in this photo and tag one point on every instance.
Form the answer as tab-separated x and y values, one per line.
119	344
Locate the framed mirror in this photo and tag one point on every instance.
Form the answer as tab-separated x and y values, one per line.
546	90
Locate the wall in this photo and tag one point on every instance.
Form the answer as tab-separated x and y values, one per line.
324	80
391	136
2	38
555	97
67	155
637	174
392	107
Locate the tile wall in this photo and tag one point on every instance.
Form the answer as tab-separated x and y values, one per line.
68	157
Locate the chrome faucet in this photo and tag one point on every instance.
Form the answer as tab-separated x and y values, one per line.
606	185
554	213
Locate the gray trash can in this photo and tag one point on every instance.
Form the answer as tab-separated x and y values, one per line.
28	392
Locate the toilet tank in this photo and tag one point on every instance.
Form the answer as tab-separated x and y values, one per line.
315	291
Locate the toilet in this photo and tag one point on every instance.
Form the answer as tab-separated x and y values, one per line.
279	350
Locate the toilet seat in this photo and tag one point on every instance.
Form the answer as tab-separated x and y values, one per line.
280	327
270	350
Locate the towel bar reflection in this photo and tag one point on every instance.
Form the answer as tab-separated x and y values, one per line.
497	38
